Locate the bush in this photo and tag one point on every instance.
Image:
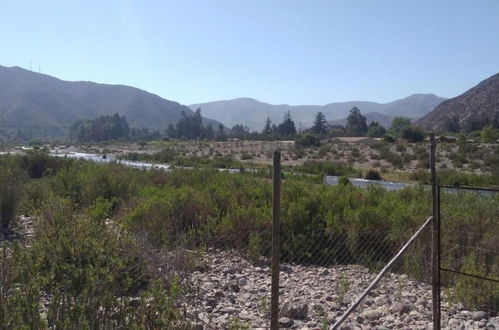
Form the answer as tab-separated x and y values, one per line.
373	175
11	181
413	133
327	168
388	138
307	140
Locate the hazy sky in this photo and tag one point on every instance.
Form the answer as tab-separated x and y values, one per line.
295	52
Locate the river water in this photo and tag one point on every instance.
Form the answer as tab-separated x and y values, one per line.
328	180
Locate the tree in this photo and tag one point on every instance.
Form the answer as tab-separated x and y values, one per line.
221	136
240	131
210	133
320	123
356	123
287	127
413	133
267	130
191	127
398	124
100	129
375	130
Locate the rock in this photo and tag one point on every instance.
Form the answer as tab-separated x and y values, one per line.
400	308
211	301
134	302
232	298
453	323
285	322
204	318
478	316
247	317
234	286
228	310
295	311
242	281
218	294
372	315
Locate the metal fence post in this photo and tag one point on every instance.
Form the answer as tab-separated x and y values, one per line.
435	236
276	215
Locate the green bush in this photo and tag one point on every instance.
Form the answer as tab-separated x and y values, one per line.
11	181
373	175
307	140
327	168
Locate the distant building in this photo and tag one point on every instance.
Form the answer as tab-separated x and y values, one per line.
358	139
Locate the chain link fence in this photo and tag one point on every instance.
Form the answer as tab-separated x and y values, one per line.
470	256
225	275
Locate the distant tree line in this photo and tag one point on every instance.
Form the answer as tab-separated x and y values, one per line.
192	127
357	126
100	129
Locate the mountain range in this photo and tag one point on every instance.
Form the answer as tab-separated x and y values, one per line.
41	105
472	110
253	113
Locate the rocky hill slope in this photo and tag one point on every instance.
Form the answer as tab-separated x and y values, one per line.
472	110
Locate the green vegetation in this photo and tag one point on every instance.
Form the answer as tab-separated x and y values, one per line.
375	130
356	123
412	134
307	140
489	134
398	124
455	178
93	224
100	129
175	158
327	168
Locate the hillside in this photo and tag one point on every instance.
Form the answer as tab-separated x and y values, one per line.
37	105
471	110
253	113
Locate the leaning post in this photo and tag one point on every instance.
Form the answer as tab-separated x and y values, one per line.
435	236
276	217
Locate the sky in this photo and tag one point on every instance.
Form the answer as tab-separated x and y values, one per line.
276	51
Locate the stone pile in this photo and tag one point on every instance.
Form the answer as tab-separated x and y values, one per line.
232	292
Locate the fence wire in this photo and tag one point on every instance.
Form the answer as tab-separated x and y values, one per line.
470	258
227	283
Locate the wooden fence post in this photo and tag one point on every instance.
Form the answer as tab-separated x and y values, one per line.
435	236
276	217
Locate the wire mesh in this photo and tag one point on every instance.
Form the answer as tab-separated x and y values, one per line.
225	280
319	288
470	258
